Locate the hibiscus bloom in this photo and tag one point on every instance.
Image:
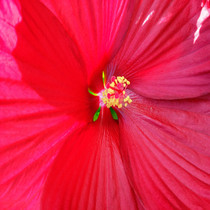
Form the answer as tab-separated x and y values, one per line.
140	140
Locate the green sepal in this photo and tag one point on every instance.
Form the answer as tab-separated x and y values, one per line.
114	114
103	78
96	115
92	93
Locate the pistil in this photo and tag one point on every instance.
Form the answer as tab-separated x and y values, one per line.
113	95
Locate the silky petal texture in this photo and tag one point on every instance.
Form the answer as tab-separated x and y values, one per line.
199	105
159	56
37	104
88	173
43	91
50	62
166	154
97	27
25	164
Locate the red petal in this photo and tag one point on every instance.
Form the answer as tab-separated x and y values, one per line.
34	105
166	154
88	173
49	62
196	105
26	159
159	55
9	17
97	28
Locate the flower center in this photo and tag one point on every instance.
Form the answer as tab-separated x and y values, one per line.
114	94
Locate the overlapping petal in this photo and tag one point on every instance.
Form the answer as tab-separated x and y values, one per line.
25	163
159	55
41	81
88	173
45	73
97	27
166	155
49	61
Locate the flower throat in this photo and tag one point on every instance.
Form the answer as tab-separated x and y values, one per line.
113	95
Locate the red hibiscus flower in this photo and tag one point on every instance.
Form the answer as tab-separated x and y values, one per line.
140	140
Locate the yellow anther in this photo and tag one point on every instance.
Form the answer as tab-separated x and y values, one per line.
112	84
110	91
129	100
120	80
126	99
114	94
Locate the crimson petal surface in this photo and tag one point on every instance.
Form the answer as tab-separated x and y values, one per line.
89	173
160	55
166	155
